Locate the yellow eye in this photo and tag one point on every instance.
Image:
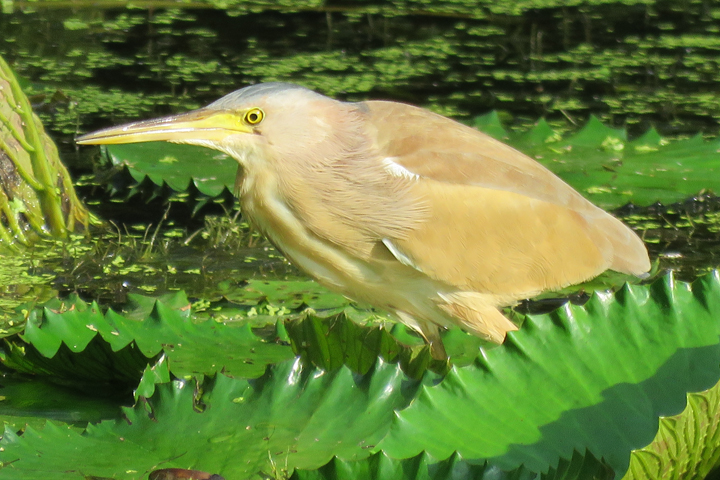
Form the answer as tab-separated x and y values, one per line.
254	116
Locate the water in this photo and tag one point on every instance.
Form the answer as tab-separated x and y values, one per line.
632	64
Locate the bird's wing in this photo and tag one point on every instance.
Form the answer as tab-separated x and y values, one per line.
441	149
498	220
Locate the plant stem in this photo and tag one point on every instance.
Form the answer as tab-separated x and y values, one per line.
49	196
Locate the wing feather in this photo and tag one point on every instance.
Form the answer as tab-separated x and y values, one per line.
499	222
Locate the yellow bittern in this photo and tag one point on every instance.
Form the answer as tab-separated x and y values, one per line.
401	208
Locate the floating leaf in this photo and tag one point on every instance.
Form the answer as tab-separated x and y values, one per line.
74	340
611	171
288	293
25	402
594	377
291	417
424	467
579	384
177	165
151	327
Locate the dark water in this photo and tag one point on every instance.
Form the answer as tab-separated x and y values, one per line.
633	64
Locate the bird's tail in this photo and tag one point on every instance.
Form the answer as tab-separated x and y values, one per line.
624	250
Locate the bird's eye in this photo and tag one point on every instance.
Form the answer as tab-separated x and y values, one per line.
254	116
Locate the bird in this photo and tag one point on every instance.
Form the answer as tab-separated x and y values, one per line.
390	204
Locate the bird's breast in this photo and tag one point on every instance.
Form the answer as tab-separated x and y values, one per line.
383	277
268	208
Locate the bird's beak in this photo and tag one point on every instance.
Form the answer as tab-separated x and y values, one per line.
202	124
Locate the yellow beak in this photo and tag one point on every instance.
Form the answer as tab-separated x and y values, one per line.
203	124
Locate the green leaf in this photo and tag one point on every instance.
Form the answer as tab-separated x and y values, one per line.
177	165
686	446
490	123
151	326
420	467
424	467
579	384
601	164
32	402
596	135
71	339
293	415
96	366
288	293
599	377
37	198
540	134
336	341
153	375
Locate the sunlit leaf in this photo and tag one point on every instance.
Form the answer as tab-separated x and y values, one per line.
424	467
151	327
611	171
177	165
292	417
596	377
288	293
579	384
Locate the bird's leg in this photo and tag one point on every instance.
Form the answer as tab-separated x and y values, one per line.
430	333
437	349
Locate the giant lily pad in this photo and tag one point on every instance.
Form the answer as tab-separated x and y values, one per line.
590	381
288	293
293	417
177	165
152	326
686	446
640	351
602	164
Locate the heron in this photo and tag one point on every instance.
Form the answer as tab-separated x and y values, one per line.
393	205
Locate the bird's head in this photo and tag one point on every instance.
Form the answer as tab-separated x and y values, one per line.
256	123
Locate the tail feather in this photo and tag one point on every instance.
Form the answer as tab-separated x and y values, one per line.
632	257
625	251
